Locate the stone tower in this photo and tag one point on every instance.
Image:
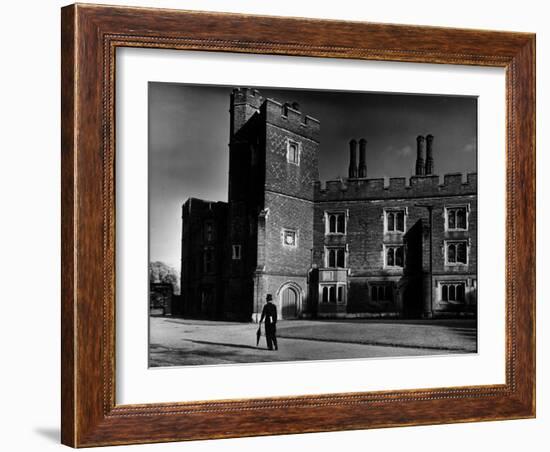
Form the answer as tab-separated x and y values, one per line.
273	165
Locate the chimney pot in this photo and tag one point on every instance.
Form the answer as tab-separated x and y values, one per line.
420	155
352	172
362	171
429	155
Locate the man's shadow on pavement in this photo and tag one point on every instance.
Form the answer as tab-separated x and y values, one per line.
251	347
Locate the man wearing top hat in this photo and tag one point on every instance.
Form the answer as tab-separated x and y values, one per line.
269	313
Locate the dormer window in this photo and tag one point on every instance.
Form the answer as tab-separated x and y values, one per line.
293	152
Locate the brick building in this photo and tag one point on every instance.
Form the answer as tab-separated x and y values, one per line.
352	248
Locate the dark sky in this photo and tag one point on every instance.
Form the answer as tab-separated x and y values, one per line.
189	135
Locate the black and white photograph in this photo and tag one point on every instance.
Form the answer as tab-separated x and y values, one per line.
294	224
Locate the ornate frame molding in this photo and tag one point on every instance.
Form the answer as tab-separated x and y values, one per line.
90	37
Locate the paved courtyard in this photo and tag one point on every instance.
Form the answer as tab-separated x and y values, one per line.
181	342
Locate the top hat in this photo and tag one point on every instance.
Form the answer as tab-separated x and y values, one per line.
269	297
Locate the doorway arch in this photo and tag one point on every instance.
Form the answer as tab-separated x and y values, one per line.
290	300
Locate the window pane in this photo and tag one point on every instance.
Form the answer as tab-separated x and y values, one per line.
391	222
332	223
374	293
325	294
340	293
461	253
400	221
293	153
399	256
332	258
341	224
332	294
445	293
341	258
451	253
452	293
460	293
451	218
461	218
389	257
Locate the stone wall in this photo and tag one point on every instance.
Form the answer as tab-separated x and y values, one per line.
366	237
270	193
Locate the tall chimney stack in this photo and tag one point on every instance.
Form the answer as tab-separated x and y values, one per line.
352	172
420	155
429	155
362	158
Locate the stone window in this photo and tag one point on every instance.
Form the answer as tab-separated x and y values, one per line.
290	238
453	292
394	220
236	252
208	260
394	256
335	222
340	294
381	292
456	218
293	152
456	252
334	293
336	257
209	231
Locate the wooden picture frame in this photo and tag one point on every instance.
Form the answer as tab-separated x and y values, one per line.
90	36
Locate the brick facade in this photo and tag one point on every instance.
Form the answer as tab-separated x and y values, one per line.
351	248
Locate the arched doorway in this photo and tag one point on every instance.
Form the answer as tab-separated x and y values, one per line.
289	302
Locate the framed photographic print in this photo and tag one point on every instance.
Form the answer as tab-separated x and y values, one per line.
281	225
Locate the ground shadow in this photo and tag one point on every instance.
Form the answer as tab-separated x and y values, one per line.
222	344
50	433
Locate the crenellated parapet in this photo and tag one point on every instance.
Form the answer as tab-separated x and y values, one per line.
202	207
397	187
244	104
249	96
289	117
